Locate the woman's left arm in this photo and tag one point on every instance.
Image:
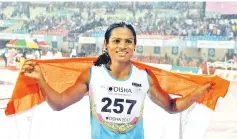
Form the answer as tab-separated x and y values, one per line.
162	98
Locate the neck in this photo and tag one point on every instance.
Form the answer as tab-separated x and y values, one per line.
120	70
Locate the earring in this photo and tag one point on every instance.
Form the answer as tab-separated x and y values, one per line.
105	50
134	49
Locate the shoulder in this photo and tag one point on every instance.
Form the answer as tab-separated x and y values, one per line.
84	76
151	77
94	71
138	69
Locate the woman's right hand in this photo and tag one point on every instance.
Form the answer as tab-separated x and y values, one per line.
32	69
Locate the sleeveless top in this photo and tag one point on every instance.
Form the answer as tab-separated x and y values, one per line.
117	105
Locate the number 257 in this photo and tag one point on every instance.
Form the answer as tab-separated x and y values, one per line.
117	103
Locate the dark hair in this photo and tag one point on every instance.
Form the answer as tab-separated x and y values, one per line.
104	58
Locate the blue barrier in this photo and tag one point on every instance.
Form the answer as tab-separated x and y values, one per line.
185	69
208	38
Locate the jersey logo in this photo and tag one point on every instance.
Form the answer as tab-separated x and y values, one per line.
136	84
119	89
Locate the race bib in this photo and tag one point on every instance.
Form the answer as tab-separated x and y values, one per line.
119	104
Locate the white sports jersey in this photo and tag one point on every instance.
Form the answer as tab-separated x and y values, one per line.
117	104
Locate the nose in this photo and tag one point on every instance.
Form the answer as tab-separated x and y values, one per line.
123	45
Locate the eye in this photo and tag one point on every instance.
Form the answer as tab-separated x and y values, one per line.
116	41
128	41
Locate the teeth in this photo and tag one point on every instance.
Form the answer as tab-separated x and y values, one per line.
122	52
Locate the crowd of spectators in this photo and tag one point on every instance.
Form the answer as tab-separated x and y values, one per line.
159	18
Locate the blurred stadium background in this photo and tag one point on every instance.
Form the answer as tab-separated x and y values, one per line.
177	33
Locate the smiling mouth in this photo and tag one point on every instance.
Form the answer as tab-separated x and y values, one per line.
119	52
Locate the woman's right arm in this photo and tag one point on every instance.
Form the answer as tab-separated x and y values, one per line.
58	101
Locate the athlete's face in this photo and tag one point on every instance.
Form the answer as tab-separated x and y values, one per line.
121	44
